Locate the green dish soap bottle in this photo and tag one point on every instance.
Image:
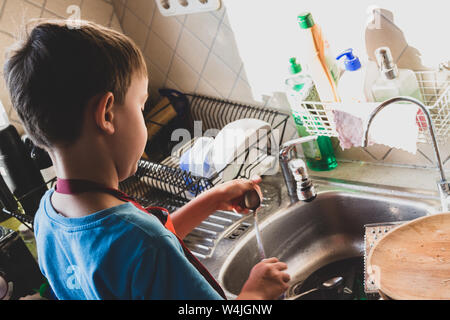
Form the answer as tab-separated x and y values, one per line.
319	154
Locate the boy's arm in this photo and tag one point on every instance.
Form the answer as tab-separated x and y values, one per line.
223	197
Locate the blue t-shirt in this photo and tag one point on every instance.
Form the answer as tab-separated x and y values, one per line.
117	253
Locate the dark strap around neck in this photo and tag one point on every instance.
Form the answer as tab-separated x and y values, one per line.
76	186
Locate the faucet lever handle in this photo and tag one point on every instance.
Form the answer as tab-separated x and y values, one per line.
294	142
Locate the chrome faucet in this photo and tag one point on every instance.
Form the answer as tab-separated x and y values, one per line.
299	186
443	184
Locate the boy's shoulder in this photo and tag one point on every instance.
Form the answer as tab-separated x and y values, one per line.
125	219
106	246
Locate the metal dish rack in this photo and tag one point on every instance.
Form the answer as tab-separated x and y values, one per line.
165	184
14	208
435	90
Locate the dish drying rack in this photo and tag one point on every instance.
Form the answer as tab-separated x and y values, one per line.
434	87
13	208
165	184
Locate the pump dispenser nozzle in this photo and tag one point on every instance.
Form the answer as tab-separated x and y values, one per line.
294	67
386	63
351	62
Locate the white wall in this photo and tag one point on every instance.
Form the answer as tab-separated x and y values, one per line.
266	31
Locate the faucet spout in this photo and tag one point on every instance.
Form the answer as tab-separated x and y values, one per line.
299	186
444	185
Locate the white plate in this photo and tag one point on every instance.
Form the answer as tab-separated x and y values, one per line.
230	145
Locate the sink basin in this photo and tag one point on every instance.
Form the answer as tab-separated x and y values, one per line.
310	236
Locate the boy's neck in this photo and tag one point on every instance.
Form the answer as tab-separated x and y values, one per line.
84	162
90	164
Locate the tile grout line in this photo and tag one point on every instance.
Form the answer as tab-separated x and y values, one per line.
22	23
401	54
135	15
7	33
425	156
209	53
212	87
446	160
113	13
195	36
395	26
2	9
125	7
206	46
32	3
81	7
374	158
238	77
174	52
189	65
387	153
149	30
44	4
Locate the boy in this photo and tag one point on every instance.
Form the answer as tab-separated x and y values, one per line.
80	93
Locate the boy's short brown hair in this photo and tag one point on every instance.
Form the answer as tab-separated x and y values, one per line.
59	67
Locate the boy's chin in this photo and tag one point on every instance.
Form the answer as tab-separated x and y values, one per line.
131	172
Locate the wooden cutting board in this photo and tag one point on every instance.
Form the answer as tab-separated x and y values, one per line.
413	260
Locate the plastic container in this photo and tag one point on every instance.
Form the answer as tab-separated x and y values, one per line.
299	86
351	86
197	160
319	154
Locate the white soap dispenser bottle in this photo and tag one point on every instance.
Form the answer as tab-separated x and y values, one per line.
351	86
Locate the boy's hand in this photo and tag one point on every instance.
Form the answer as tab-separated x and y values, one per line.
227	196
230	195
267	281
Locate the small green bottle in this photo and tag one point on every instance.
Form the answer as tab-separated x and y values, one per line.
319	154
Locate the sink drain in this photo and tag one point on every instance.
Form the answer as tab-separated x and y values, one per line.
351	270
295	289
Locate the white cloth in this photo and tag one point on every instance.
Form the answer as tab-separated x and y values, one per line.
394	126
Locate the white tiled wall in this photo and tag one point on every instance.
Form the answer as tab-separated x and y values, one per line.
15	13
193	53
198	53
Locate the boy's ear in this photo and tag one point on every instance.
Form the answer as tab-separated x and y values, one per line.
104	113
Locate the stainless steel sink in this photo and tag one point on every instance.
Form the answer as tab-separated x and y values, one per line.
309	236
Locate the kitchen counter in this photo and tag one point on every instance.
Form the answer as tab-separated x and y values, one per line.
363	172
